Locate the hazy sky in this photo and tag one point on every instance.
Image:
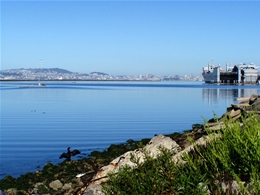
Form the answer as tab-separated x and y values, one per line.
129	37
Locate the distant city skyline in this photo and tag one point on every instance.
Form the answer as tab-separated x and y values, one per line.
54	74
129	37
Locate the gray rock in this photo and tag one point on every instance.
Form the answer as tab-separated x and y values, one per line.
256	104
152	149
94	189
154	145
67	186
56	185
253	98
240	106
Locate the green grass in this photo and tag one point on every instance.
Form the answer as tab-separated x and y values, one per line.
233	156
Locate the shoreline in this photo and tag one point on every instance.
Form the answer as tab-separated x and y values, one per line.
67	171
82	80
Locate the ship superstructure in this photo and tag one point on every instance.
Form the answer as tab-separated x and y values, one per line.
238	74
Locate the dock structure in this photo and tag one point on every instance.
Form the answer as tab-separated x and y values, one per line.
238	74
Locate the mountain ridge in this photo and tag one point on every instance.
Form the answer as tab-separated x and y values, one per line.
36	70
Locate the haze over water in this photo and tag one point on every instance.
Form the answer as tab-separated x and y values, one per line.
38	124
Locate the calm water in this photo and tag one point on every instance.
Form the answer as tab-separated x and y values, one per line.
38	124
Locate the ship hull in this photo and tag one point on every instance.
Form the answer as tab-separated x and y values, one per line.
231	78
241	75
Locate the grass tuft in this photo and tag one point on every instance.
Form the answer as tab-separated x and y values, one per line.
231	157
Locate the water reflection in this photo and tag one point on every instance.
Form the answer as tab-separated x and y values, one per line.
228	96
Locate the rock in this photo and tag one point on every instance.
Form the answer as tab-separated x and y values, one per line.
66	186
152	149
154	145
56	185
94	189
196	127
253	98
40	188
256	104
177	158
240	106
11	191
234	113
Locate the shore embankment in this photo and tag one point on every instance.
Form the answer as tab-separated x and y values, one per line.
86	175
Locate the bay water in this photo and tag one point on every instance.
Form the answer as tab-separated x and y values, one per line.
39	123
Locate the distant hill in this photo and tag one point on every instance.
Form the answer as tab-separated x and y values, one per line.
98	73
45	70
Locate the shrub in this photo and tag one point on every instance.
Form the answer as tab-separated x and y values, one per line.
232	155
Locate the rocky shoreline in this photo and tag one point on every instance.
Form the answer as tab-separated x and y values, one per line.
86	176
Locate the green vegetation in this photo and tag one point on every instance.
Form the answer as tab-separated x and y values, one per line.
231	157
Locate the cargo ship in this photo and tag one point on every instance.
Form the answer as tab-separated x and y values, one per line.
238	74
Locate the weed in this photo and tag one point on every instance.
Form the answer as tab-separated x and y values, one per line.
232	155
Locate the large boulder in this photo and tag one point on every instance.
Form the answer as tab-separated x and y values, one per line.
152	149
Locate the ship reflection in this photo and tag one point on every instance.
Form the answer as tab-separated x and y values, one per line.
228	96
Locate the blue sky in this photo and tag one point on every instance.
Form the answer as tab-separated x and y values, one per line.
129	37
